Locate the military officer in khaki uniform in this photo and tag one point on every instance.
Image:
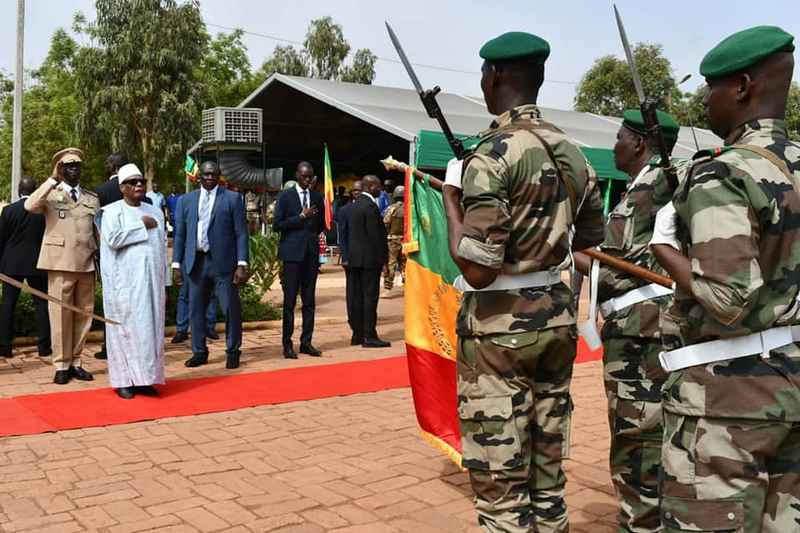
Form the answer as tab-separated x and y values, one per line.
393	220
67	255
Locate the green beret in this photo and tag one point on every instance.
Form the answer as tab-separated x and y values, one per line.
633	120
744	49
514	45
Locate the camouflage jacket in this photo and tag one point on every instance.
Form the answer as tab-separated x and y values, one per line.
393	220
629	229
739	224
517	217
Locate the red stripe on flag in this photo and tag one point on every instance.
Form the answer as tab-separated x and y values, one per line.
433	385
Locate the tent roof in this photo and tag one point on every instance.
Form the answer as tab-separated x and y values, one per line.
399	111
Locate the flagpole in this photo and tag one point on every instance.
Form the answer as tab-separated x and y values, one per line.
16	150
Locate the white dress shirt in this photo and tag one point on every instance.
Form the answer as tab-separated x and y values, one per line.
300	192
67	188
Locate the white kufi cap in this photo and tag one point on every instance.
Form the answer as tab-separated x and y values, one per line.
128	172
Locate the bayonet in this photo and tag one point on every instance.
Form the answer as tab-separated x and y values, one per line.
648	108
428	97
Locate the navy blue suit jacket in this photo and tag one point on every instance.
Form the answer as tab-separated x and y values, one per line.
343	231
227	232
299	237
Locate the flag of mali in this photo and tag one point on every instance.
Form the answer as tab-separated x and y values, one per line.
431	307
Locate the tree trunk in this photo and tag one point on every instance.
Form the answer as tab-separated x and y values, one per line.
149	163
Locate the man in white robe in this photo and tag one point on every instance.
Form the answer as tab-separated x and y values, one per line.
133	253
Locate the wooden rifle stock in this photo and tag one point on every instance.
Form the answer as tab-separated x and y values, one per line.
630	268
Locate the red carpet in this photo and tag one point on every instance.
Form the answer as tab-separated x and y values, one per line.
40	413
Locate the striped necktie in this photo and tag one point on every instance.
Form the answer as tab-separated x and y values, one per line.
203	215
305	199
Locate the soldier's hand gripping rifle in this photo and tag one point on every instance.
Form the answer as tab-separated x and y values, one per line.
648	108
428	98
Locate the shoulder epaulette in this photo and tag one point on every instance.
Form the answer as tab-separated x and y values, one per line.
90	193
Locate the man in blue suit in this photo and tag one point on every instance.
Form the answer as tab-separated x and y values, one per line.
211	246
298	218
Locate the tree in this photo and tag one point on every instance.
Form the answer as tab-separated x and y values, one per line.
137	78
689	111
49	117
224	73
363	68
326	48
607	87
323	56
285	60
793	112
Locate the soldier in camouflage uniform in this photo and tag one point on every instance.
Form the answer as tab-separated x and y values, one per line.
631	332
524	185
732	399
393	220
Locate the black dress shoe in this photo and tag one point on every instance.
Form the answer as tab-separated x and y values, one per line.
310	350
355	340
232	361
147	390
6	352
289	353
80	374
62	377
180	336
213	335
375	342
126	393
43	353
101	355
196	360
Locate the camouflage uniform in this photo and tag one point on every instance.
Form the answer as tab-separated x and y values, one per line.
516	347
732	428
631	344
393	220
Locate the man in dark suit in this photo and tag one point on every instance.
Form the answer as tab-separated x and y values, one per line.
211	245
343	238
298	218
368	251
21	236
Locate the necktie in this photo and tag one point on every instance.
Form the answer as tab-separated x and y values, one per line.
305	199
74	194
203	220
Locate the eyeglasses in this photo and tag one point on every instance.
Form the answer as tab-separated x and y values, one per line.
134	183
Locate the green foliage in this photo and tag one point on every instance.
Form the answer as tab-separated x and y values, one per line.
607	87
326	47
363	68
224	72
793	112
323	56
137	77
285	60
264	262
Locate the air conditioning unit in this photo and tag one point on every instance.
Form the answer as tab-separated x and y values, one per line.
234	125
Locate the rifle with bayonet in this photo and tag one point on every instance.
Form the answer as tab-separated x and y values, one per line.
428	97
648	107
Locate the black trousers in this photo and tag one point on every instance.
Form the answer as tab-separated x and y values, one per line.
9	303
366	287
299	277
355	327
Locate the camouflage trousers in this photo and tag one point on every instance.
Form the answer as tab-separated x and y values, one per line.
515	410
397	262
635	421
729	474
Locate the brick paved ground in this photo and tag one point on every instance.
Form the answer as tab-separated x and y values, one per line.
349	464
